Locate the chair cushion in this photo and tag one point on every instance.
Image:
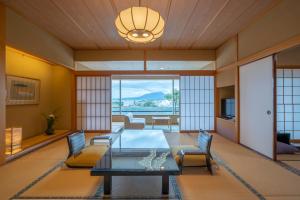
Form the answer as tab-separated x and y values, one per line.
88	156
138	120
189	160
192	160
129	115
176	149
283	148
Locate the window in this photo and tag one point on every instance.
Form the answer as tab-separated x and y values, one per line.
288	102
145	97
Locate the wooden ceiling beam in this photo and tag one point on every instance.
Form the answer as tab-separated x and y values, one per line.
135	55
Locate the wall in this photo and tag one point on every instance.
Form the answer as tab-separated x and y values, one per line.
31	39
272	32
227	53
226	77
61	92
55	91
279	24
289	57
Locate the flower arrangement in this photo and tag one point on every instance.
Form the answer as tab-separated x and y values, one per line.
51	119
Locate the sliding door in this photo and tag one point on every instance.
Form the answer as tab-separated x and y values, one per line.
196	103
257	106
93	110
288	102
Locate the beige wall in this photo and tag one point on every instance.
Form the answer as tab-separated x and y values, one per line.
55	91
2	82
289	58
277	25
61	92
227	53
225	77
25	36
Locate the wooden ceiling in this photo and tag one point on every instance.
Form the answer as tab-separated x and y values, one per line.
190	24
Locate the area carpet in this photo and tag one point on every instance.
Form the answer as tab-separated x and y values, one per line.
62	183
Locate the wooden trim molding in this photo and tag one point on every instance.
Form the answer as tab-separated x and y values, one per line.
274	109
226	67
288	66
37	146
2	83
142	72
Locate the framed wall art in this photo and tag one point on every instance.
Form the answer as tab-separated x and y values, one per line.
22	91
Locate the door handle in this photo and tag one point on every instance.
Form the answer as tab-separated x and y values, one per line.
269	112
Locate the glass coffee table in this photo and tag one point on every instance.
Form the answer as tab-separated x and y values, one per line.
122	160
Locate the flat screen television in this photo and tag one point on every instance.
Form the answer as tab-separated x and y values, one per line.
228	108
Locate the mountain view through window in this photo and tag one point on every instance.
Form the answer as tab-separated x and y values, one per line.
145	97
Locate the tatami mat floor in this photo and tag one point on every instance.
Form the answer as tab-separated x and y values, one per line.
242	173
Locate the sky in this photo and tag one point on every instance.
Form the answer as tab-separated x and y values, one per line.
136	88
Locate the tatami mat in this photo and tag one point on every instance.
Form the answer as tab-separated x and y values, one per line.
248	169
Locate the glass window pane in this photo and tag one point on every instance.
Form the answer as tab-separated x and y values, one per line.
280	108
287	90
288	125
287	82
296	108
280	126
280	117
279	72
297	126
296	81
287	73
279	90
288	108
296	73
296	90
296	99
279	99
296	135
297	117
287	99
288	117
279	81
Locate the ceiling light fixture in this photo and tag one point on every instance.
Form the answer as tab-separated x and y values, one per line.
140	24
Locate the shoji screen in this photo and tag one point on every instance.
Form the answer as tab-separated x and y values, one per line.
196	103
288	102
93	110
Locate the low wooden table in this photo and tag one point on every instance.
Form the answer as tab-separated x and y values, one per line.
144	156
165	118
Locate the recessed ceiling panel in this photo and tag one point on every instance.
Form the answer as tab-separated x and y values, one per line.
190	24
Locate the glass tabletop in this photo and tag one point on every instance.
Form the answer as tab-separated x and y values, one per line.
141	139
138	152
137	160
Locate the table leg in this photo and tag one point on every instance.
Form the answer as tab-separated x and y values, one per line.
165	184
107	184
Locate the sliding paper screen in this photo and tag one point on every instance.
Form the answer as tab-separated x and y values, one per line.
93	101
197	103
